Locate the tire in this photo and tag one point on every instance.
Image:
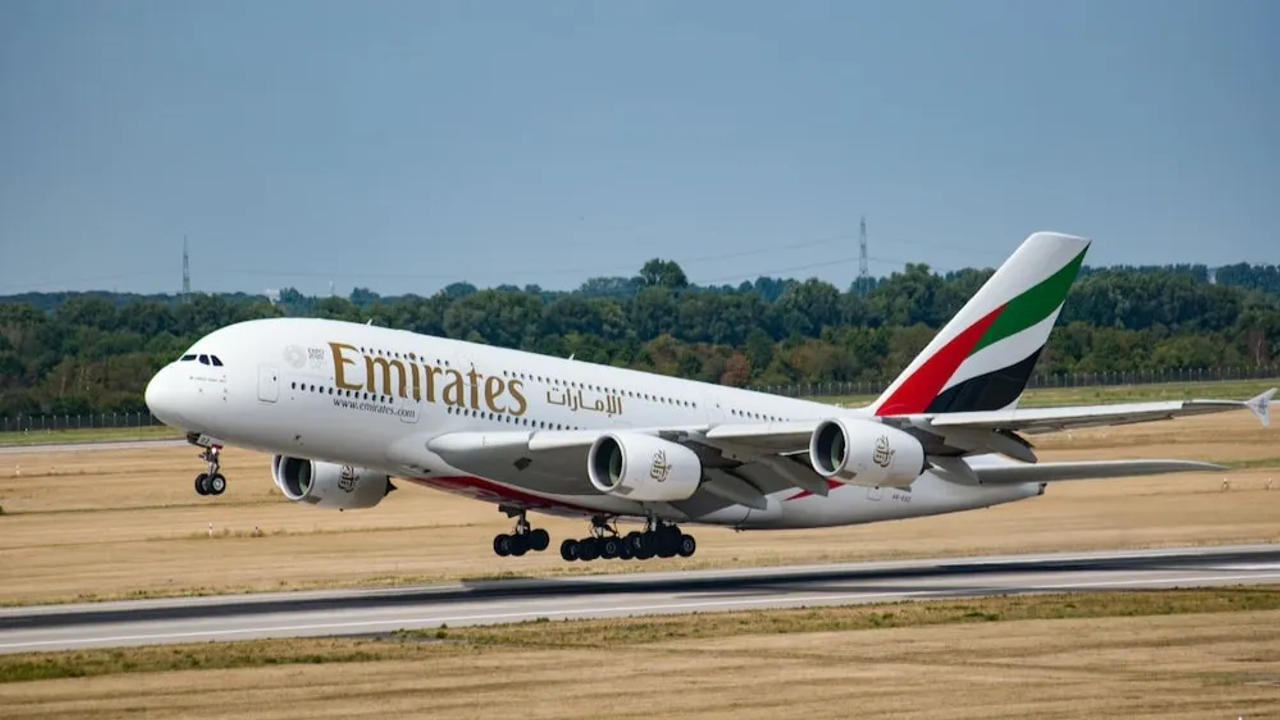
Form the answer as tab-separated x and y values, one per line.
202	484
539	540
519	545
634	540
588	549
645	552
688	546
217	484
610	548
625	552
667	546
502	545
569	550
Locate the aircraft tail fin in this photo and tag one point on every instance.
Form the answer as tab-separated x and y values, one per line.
983	358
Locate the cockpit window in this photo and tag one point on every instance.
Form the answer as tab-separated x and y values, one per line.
204	359
186	358
215	360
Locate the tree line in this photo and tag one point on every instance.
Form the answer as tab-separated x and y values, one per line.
94	351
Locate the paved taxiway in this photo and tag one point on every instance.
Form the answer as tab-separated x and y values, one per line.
346	612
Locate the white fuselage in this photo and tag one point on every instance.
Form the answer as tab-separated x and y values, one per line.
374	397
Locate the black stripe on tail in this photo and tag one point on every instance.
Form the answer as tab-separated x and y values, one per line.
991	391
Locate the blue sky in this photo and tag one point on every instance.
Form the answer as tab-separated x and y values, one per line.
402	146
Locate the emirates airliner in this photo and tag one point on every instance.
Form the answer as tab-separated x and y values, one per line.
345	407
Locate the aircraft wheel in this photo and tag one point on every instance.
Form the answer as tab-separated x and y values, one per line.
610	548
688	546
624	551
588	549
217	484
539	540
502	545
634	540
202	483
666	545
519	545
569	549
645	552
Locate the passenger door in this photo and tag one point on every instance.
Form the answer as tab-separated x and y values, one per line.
268	383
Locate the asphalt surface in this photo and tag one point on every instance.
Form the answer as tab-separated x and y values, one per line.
356	612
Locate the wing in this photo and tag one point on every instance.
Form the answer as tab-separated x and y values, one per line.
1012	473
745	462
1042	420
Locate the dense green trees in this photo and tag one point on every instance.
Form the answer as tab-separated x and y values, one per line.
82	352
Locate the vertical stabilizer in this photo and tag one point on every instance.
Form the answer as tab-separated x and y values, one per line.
982	359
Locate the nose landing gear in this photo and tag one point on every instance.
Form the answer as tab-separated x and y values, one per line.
212	482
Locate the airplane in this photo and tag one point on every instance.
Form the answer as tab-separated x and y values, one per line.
344	407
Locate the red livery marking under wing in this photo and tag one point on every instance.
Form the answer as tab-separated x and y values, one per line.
488	490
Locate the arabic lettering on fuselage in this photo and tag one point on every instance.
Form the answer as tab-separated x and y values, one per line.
573	399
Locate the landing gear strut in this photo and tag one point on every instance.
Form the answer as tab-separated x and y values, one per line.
658	539
211	482
522	539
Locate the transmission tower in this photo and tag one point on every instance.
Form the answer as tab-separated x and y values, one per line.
186	270
864	275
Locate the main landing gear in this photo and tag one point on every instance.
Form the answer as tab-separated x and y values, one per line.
211	482
658	539
521	540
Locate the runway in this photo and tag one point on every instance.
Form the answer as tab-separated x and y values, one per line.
355	612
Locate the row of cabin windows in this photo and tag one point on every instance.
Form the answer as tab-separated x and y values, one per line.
202	359
212	359
498	417
354	395
503	417
401	356
464	411
548	380
755	415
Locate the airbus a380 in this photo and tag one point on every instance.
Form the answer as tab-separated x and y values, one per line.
345	407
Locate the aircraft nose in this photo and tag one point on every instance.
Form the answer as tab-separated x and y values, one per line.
163	397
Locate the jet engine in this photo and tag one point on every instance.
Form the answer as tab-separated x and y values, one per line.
328	485
862	452
643	467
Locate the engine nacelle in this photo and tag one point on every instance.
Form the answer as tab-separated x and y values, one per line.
643	467
862	452
328	485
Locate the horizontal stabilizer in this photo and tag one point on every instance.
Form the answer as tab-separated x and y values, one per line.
1050	419
1259	406
1014	473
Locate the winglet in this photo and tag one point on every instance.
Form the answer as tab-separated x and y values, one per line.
1260	404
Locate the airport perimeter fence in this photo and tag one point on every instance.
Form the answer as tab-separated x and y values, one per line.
1056	380
71	421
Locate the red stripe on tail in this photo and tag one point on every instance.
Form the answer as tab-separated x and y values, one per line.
916	392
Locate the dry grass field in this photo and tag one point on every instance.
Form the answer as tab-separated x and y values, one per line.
1174	654
120	523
